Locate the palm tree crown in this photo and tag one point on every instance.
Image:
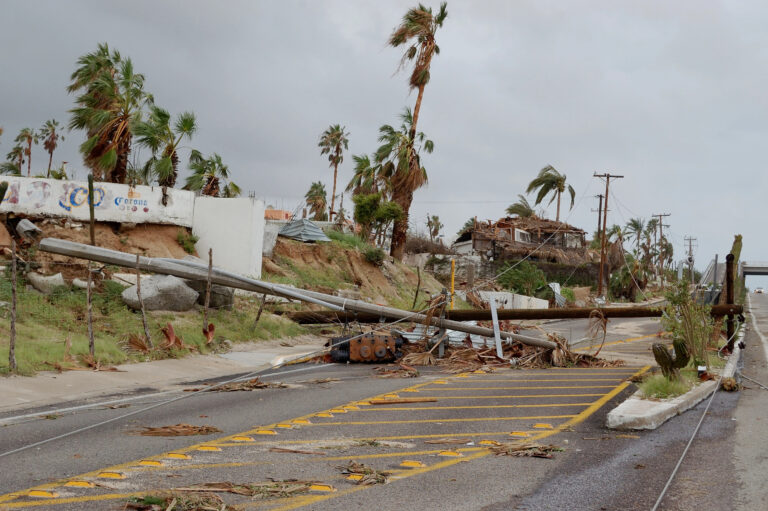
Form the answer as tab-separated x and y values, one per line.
521	208
210	176
635	228
51	136
157	134
332	142
317	200
27	136
551	181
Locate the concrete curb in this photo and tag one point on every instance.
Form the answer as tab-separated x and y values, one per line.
637	413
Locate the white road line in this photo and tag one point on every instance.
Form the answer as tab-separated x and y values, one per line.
755	328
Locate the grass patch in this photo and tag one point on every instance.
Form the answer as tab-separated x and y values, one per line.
658	387
44	323
347	240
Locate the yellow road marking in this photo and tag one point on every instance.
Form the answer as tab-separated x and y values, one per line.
42	494
412	464
485	407
178	456
432	421
545	380
80	484
151	463
623	341
518	396
524	387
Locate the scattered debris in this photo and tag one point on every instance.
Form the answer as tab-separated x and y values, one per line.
399	371
251	384
639	466
135	342
173	502
178	430
296	451
730	385
323	380
264	490
447	441
369	475
525	449
424	358
209	332
172	341
95	364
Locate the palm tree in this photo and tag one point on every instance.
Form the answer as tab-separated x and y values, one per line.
27	136
110	103
365	178
401	166
157	134
210	176
551	181
332	142
15	159
418	29
51	136
10	168
434	225
317	200
521	208
635	228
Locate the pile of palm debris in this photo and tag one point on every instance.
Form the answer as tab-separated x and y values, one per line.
396	371
174	502
252	384
363	474
525	449
263	490
178	430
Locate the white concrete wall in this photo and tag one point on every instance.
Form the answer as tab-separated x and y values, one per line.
506	300
234	229
112	202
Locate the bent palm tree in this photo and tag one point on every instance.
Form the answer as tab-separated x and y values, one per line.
401	166
110	104
208	175
317	200
51	136
332	142
157	134
521	208
551	181
635	228
367	178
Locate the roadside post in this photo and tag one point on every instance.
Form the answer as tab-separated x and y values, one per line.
729	327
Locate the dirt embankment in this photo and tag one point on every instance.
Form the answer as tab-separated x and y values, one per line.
330	267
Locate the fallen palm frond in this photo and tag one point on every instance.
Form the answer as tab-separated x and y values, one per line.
209	332
424	358
173	341
252	384
176	502
136	343
264	490
95	364
178	430
525	449
399	371
369	475
318	381
447	441
295	451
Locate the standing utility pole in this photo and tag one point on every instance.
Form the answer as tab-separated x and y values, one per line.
690	241
659	262
607	177
599	212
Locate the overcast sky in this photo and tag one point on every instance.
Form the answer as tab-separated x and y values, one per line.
672	95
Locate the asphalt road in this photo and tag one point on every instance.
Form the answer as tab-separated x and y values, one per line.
598	469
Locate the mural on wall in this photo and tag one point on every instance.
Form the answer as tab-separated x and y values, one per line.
112	202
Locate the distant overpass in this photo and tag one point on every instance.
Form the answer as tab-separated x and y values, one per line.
753	268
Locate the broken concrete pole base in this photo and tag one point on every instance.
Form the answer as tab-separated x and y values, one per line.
160	292
28	230
46	283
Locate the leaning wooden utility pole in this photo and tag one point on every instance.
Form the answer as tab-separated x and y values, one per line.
89	292
607	177
12	347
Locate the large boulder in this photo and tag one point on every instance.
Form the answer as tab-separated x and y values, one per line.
46	283
222	297
162	292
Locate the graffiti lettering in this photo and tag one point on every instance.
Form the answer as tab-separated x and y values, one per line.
79	196
130	202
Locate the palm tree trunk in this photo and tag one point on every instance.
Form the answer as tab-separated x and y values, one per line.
29	158
50	161
416	110
333	194
557	218
120	172
400	229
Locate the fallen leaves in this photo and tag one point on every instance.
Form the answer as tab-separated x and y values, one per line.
525	449
178	430
248	385
730	384
296	451
369	475
398	371
264	490
447	441
173	502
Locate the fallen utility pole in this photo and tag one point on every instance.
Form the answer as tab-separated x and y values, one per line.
195	271
319	317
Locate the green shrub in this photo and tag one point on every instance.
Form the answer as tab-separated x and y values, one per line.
374	255
688	321
347	240
568	293
658	387
187	240
525	278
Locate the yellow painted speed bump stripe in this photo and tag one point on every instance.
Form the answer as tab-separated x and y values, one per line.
432	421
208	448
178	456
410	390
464	375
42	494
79	484
488	442
412	464
111	475
391	396
354	477
440	382
264	432
449	453
300	421
338	410
542	425
351	407
519	433
322	487
284	426
363	403
479	371
247	438
151	463
323	414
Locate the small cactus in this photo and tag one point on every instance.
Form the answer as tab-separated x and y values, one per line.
670	362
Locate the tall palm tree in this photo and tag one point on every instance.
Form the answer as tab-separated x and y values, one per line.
15	158
367	177
210	176
110	103
333	142
521	208
635	228
157	134
400	163
317	200
551	181
51	136
418	30
27	136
